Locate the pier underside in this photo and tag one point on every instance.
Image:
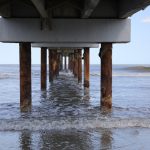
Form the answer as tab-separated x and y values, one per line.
65	28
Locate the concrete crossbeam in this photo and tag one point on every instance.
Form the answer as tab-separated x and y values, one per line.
65	45
89	7
130	7
40	7
66	30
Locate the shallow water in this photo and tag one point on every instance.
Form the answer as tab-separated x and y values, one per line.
67	116
98	139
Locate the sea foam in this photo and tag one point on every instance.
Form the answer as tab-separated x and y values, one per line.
45	124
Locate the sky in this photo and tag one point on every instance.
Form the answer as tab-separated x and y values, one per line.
135	52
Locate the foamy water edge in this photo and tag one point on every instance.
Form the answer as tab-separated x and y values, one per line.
37	125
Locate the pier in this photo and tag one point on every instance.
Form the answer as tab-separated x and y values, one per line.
65	31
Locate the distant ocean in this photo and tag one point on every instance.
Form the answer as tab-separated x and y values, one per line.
68	117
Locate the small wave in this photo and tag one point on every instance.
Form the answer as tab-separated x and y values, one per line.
95	74
66	73
139	68
7	75
37	125
125	74
132	75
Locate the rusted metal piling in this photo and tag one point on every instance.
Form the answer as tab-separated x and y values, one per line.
43	68
79	65
106	74
25	76
86	67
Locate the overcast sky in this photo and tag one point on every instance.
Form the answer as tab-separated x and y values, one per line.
135	52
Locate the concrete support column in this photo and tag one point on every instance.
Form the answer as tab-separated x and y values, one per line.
86	67
43	68
106	74
79	65
25	76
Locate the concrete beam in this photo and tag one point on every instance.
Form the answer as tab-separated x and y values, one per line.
89	7
129	7
40	8
66	31
64	50
65	45
5	9
46	20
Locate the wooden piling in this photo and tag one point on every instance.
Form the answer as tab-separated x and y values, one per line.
69	62
54	63
79	65
43	68
86	67
106	75
58	63
61	62
76	63
65	65
73	64
25	76
51	74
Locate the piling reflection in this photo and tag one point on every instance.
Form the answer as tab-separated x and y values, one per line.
43	95
105	111
86	94
65	89
25	140
106	140
67	113
65	140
